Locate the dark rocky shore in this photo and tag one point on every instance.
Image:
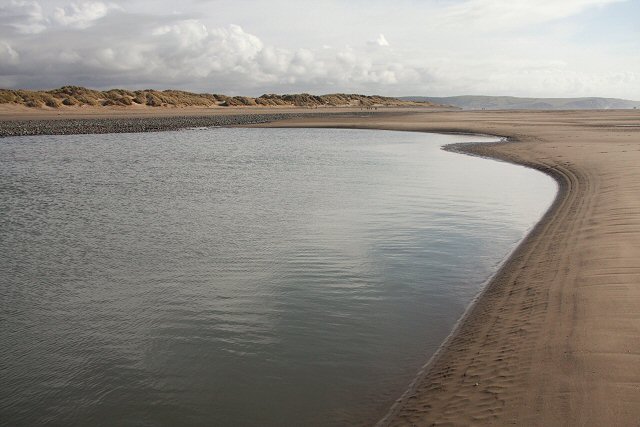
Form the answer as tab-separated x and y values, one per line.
136	124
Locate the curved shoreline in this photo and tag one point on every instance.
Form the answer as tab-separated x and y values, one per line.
473	149
554	339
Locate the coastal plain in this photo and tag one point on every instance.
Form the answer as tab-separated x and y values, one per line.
554	339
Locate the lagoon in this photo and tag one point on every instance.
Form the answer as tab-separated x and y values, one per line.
240	276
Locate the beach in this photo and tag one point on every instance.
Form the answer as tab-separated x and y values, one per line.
554	339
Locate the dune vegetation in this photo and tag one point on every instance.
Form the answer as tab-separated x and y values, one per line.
70	96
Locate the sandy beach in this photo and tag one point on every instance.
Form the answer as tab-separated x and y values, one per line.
555	337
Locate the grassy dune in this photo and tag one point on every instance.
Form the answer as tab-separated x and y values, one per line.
79	96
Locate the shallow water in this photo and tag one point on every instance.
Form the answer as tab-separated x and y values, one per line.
240	276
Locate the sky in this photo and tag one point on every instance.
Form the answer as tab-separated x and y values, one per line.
538	48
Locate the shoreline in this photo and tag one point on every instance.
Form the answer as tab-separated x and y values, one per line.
467	148
554	337
73	125
21	123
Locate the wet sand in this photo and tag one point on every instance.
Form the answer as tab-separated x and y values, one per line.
555	337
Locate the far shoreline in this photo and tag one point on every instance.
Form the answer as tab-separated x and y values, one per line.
23	121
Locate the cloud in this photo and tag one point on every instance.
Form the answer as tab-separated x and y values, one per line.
491	15
8	56
439	48
380	41
81	15
29	17
24	17
186	52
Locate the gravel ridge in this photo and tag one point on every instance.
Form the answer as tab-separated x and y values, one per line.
134	124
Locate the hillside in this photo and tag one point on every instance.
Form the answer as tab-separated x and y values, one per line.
471	102
70	96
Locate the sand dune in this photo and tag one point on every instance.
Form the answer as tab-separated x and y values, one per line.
555	338
76	96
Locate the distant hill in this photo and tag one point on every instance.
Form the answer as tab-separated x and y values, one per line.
70	96
471	102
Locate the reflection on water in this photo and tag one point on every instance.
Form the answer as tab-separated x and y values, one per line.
239	276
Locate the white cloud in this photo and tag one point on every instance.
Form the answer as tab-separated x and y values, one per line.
380	41
186	51
81	15
438	48
187	34
30	17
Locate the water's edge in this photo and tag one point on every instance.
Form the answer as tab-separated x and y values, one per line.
468	148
